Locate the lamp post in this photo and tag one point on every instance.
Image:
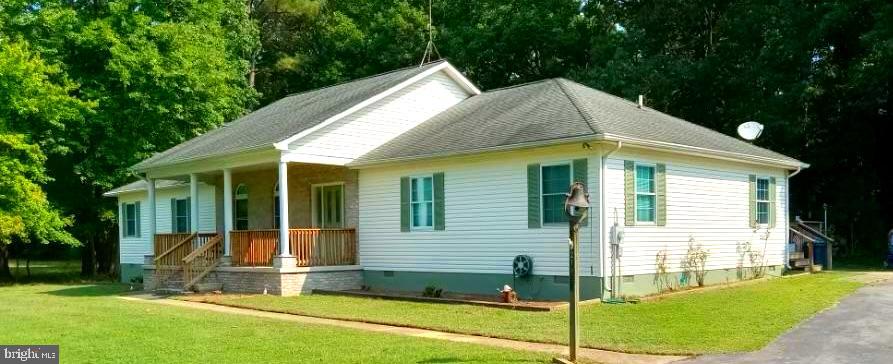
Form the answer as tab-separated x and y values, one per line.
576	206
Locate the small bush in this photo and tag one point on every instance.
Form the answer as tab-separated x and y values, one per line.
695	261
432	291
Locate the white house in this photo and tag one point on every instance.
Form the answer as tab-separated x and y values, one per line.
415	177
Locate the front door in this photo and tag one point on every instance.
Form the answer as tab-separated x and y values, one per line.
328	206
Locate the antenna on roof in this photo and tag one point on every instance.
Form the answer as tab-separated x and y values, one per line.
430	49
641	101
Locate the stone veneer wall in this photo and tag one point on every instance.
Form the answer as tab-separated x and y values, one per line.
284	283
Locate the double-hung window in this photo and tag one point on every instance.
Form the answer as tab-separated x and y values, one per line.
181	215
646	197
422	202
763	201
556	179
130	219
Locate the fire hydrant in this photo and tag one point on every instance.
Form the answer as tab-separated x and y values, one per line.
508	294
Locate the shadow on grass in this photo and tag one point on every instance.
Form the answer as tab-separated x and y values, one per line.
56	272
865	263
458	360
93	290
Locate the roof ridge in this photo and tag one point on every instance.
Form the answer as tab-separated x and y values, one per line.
360	79
573	99
509	87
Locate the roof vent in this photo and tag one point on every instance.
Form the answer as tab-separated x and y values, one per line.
641	101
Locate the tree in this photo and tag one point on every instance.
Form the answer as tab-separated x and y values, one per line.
35	104
158	73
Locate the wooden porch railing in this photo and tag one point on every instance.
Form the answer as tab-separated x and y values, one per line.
171	249
319	247
312	247
202	260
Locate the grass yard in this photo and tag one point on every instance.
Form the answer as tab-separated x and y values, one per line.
92	325
740	318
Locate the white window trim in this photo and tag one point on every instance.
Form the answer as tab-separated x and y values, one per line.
313	219
411	208
236	197
636	192
757	200
124	219
543	222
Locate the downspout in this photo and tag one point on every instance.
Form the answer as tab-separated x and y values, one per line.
787	218
603	213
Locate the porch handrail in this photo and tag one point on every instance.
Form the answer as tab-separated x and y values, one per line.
176	246
311	246
201	261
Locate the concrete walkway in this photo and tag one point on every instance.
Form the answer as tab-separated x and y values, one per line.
857	330
598	356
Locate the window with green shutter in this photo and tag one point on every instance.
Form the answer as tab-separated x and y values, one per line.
130	219
422	203
645	193
556	179
646	196
763	202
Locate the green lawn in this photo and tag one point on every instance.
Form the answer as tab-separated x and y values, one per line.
92	325
738	318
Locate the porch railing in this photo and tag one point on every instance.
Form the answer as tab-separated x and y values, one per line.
202	260
312	247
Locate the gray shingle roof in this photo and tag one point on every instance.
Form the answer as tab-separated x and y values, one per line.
282	119
553	109
141	185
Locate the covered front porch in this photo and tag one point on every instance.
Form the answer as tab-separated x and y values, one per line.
264	233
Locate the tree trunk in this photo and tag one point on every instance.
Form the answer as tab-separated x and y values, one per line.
4	262
88	259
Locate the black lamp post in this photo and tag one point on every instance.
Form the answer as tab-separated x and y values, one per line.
576	206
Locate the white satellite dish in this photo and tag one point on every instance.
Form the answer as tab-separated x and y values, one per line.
750	130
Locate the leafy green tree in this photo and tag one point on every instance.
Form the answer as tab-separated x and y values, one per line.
35	105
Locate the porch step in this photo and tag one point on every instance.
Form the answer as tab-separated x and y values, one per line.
816	268
800	263
795	255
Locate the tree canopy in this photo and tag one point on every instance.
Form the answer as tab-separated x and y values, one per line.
118	80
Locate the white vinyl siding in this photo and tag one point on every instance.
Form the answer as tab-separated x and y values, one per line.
132	249
707	200
376	124
486	212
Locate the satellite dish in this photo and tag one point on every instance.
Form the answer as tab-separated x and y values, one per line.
750	130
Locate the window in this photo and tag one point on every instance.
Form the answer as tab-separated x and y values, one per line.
421	200
240	207
556	179
645	194
180	215
762	200
328	205
130	219
276	206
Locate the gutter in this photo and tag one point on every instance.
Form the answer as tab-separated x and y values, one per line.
602	214
787	219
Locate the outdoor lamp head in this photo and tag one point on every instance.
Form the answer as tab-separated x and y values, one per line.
576	205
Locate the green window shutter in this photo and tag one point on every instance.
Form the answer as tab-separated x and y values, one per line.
174	215
660	191
533	196
629	193
189	214
439	208
752	185
772	202
136	217
123	215
581	172
404	204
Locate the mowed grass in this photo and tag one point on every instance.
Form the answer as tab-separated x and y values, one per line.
740	318
92	325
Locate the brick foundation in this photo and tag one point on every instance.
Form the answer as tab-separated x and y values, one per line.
283	282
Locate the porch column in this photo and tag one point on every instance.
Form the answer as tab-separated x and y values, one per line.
193	208
150	183
284	259
227	209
